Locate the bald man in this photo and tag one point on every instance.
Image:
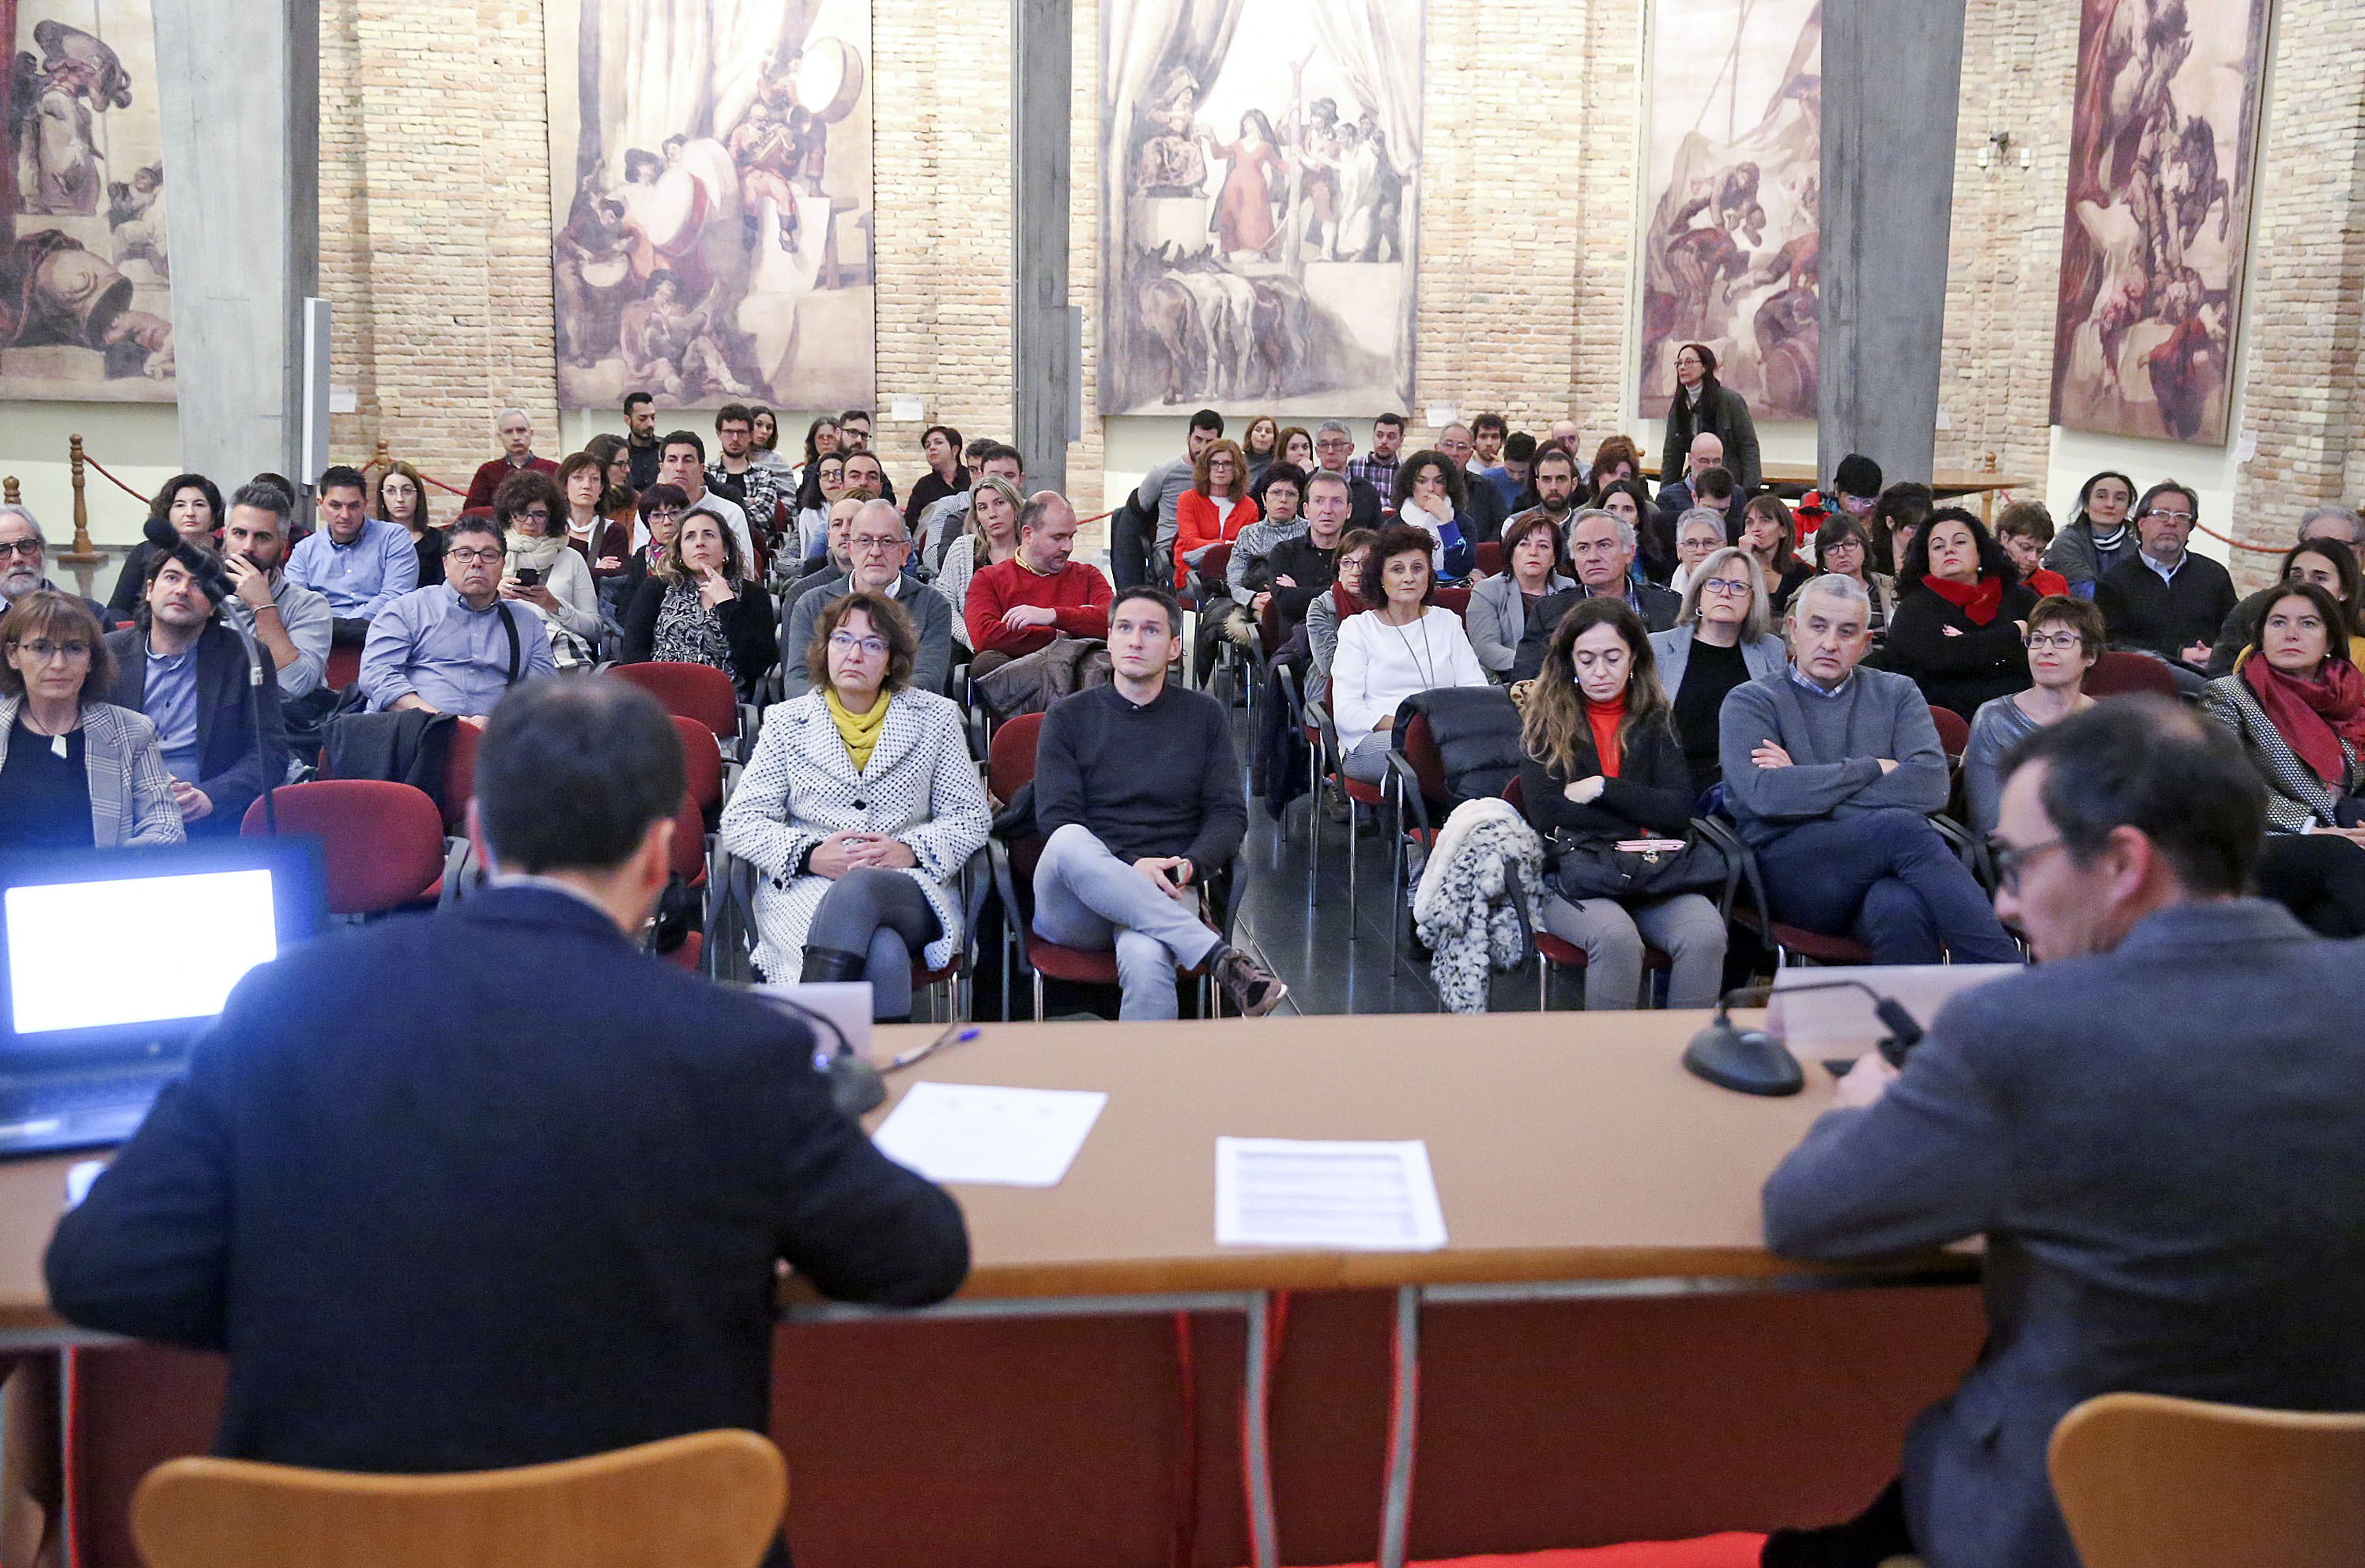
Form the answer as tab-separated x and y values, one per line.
515	427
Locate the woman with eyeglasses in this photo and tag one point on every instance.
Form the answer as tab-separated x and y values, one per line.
540	569
2066	638
1845	549
76	772
1602	765
827	483
1701	404
2297	705
1961	624
700	607
402	501
1722	638
858	811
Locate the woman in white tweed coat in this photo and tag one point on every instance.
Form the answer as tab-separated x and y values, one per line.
858	860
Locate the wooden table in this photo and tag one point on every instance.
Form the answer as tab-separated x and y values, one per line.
1575	1158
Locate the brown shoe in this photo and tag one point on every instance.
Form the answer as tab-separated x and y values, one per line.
1255	991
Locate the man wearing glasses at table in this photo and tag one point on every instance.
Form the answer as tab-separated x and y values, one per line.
24	558
2167	600
456	646
877	546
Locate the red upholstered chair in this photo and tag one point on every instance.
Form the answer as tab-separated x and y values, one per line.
690	864
1953	733
344	668
460	775
1550	951
1211	568
688	691
2118	672
705	769
1490	557
384	841
1456	599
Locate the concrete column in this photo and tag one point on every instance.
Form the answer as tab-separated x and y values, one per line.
1892	73
1043	360
238	92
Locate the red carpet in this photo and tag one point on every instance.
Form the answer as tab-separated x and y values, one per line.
1732	1549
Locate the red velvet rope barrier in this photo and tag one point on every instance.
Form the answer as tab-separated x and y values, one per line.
111	479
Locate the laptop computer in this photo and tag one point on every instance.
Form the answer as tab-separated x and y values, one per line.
113	962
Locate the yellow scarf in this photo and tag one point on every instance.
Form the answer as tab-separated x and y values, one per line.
858	731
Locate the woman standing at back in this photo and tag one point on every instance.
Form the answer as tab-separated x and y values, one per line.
1704	403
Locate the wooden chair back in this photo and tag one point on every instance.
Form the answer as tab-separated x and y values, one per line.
2147	1482
707	1500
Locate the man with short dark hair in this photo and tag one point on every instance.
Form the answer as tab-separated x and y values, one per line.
1138	798
1510	472
516	429
1487	433
24	558
358	563
222	737
877	549
1160	491
2167	600
293	624
493	1187
1015	607
853	433
641	438
682	461
455	646
735	475
1553	478
1377	467
2155	1131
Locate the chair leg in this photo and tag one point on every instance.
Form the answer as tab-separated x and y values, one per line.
1039	996
1354	929
1543	982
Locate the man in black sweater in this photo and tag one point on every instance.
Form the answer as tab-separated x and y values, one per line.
2166	599
1138	801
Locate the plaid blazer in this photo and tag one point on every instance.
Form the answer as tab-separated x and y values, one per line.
2296	798
131	794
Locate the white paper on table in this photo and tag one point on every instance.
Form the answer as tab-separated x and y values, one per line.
1353	1196
999	1137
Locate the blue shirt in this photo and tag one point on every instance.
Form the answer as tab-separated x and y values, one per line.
168	697
358	579
431	645
1806	682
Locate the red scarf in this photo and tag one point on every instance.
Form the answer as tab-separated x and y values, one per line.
2312	716
1344	601
1603	719
1978	601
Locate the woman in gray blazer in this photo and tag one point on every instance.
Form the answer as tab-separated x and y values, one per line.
1722	638
1501	606
75	771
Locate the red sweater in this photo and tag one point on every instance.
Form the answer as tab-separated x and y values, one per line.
488	479
1077	591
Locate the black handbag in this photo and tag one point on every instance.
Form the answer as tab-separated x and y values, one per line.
1590	868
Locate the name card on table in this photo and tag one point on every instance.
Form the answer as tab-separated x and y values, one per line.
985	1137
1372	1197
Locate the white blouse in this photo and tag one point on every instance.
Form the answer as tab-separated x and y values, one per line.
1378	666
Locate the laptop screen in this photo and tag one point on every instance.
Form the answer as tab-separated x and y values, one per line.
136	947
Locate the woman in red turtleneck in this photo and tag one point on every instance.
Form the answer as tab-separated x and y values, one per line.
1603	763
1960	629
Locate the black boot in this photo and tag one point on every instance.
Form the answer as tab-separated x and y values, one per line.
833	964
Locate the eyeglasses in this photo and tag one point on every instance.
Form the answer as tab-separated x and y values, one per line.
40	650
2009	861
669	513
538	515
29	548
847	643
2163	514
1726	587
472	557
2064	642
873	542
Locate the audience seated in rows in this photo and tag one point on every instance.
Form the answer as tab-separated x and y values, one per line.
989	536
459	647
1137	800
2066	638
1429	496
515	428
2098	537
757	490
2024	529
858	809
76	770
1248	572
1962	616
1016	607
2296	702
1405	643
1509	618
684	464
25	560
879	549
186	507
1602	764
1833	770
2325	556
1722	638
2167	600
1215	507
543	571
223	741
358	563
700	606
1325	612
1334	449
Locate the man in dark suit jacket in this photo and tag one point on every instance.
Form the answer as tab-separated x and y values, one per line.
2160	1131
192	677
490	1187
2166	599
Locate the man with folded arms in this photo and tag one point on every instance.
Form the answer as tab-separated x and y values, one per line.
877	548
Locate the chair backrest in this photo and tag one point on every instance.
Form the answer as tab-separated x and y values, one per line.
705	761
689	840
1268	631
688	691
2118	672
1514	795
460	774
1216	562
2146	1480
1456	599
344	668
708	1500
1427	762
384	841
1010	765
1954	731
1490	556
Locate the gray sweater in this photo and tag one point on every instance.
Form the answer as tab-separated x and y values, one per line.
1835	742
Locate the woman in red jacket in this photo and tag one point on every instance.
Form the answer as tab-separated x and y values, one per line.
1214	509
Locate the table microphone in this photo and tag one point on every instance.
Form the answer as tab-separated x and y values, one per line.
1753	1062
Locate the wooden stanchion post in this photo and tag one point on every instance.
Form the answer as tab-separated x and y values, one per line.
84	558
11	492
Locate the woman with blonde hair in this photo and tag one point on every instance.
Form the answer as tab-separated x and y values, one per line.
991	538
1602	766
1723	637
1216	507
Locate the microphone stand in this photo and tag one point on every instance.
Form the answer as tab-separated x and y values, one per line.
254	716
1750	1061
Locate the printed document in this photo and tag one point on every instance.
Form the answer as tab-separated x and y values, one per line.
1290	1192
994	1137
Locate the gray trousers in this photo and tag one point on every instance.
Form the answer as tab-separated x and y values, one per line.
1366	761
883	914
1684	928
1087	897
